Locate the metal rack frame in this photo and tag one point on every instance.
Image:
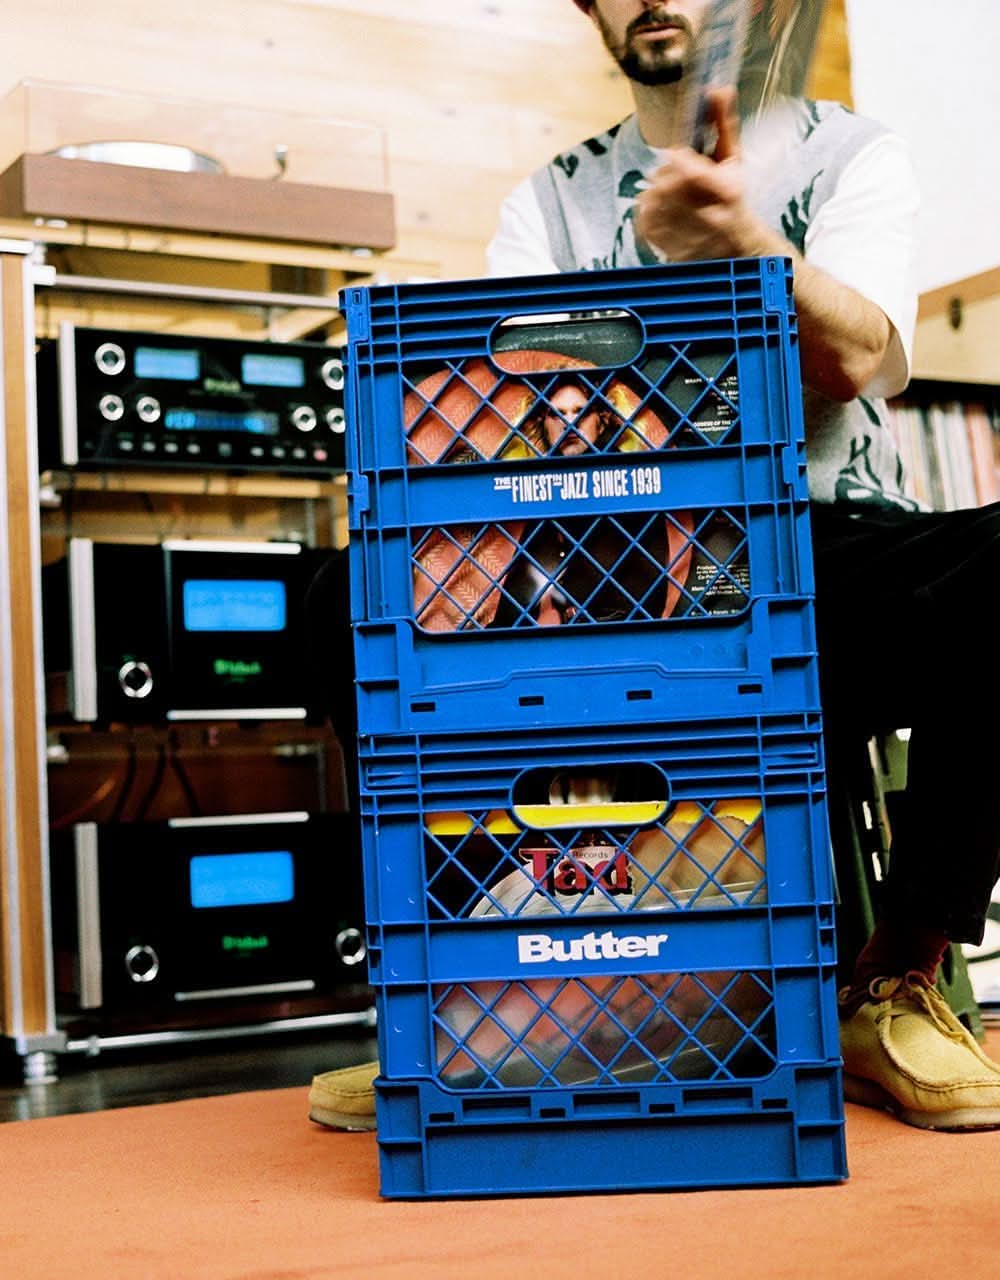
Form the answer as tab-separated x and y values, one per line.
28	1020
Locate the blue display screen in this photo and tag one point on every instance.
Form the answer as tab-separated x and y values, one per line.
255	422
237	604
168	364
242	879
273	371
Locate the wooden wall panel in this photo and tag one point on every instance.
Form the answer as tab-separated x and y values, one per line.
831	68
472	96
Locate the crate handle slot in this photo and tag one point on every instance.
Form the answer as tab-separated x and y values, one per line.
606	339
590	794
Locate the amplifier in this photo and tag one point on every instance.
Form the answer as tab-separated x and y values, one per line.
109	398
180	921
183	630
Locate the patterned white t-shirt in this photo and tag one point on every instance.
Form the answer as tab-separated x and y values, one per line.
840	188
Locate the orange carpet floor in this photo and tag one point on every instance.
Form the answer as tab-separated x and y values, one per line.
244	1186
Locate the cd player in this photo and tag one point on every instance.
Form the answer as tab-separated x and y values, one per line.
111	398
195	919
183	630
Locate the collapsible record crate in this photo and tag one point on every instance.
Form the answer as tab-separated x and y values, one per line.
581	993
581	495
592	792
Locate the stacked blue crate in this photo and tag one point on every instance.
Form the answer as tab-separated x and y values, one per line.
571	565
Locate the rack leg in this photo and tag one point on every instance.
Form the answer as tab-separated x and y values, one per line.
40	1067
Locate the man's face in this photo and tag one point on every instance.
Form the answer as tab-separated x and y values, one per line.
651	42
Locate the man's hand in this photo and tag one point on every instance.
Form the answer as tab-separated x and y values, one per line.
694	207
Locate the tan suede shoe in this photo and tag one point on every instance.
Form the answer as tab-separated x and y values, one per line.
344	1099
906	1051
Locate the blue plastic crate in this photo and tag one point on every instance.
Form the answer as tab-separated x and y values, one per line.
651	522
624	931
560	1027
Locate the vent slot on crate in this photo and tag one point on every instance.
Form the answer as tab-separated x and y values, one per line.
615	1030
712	1099
498	1104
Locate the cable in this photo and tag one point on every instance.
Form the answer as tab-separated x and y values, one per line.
182	776
155	783
92	801
127	782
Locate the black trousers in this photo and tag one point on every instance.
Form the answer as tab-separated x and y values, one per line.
905	603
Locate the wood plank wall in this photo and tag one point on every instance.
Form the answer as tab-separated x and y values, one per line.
472	96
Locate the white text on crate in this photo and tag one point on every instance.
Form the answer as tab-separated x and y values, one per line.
572	486
537	948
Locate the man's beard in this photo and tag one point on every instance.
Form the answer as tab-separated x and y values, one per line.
653	64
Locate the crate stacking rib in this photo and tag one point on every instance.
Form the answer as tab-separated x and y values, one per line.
603	961
578	495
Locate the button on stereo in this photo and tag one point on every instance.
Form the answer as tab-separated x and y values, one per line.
332	374
350	946
142	964
304	417
148	408
110	358
135	679
111	407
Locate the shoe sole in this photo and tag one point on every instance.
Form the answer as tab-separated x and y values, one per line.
959	1119
341	1120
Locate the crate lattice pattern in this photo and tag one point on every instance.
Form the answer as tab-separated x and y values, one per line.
621	1030
581	570
701	854
467	410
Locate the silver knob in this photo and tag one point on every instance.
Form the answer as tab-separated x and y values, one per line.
111	407
148	408
350	946
335	420
332	373
135	679
110	358
304	417
142	964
